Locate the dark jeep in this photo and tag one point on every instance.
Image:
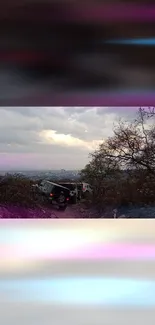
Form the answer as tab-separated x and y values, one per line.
74	193
55	193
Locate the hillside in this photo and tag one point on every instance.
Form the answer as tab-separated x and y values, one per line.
18	199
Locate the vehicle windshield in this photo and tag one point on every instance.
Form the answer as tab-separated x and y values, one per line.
48	187
42	183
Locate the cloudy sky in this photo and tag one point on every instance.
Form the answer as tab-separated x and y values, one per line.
54	137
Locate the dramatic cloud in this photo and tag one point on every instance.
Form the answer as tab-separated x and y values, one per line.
54	137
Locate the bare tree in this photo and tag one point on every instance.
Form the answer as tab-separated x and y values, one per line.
147	111
131	148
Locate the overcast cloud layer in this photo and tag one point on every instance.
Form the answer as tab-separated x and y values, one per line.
54	137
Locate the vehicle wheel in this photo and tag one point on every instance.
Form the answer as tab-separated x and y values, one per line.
63	208
79	196
82	195
86	195
74	199
61	198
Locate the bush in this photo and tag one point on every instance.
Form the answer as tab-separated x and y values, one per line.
18	191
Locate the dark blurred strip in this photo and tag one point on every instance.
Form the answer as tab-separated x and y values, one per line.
28	57
56	53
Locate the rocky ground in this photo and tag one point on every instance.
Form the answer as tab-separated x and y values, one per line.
73	211
81	211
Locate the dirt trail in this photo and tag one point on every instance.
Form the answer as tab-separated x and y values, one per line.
50	213
71	212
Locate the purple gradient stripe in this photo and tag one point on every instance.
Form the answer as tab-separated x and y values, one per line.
99	13
116	251
84	99
95	252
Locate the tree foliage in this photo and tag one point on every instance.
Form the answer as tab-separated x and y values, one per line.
125	158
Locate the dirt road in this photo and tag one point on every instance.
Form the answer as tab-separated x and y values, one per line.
72	212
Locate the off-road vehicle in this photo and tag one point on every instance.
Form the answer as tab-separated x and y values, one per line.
74	193
55	193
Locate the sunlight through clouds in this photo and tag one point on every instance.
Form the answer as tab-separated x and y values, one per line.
52	137
55	137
